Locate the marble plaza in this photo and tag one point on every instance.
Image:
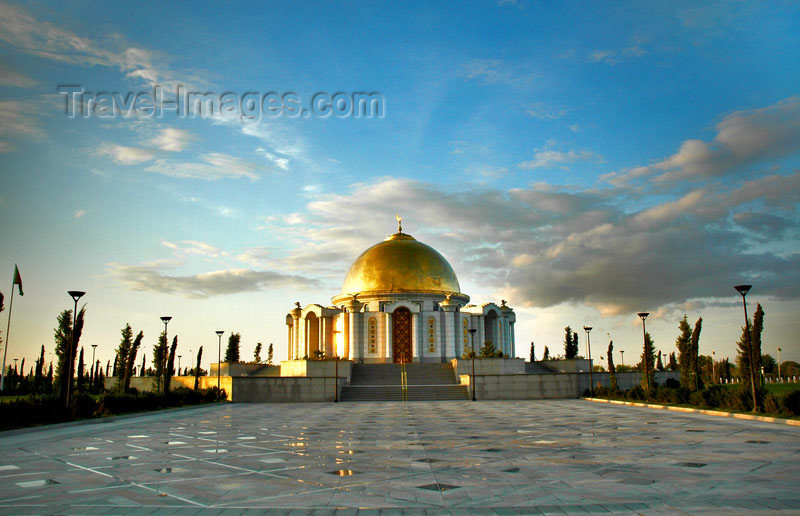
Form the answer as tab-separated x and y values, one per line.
490	457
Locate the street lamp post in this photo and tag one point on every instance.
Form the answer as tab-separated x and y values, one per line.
743	290
166	319
779	364
75	295
94	346
589	348
219	359
646	355
472	353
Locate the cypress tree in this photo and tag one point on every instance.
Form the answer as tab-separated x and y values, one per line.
257	354
129	361
232	352
683	343
570	343
647	363
533	355
673	362
49	385
63	339
612	371
170	370
269	354
81	365
159	361
754	350
197	368
546	354
695	354
121	361
64	347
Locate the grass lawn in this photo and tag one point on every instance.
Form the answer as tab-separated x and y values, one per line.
782	388
778	389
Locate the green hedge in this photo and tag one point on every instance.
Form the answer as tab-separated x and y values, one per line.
722	397
45	409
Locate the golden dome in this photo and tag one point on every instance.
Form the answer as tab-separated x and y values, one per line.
400	264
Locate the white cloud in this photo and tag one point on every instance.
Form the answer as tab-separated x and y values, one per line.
194	248
172	140
545	246
544	112
16	118
743	138
256	257
79	213
11	77
41	38
282	163
6	146
546	158
125	155
613	57
153	278
496	71
490	70
213	166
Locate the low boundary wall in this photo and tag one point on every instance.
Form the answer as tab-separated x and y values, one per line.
146	383
550	385
286	389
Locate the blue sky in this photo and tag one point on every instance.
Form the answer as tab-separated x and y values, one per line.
585	161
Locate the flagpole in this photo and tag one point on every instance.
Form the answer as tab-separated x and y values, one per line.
8	329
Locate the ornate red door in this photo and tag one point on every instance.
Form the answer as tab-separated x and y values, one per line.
401	335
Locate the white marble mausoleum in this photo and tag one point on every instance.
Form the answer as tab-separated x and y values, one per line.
400	302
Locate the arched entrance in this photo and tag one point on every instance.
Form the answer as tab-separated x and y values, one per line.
401	335
490	330
312	335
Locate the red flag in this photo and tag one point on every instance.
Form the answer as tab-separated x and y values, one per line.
17	279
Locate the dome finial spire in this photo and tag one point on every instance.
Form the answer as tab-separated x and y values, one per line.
399	223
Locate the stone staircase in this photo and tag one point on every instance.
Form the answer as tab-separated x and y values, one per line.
382	382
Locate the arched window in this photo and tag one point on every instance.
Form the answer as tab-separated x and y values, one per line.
431	335
373	335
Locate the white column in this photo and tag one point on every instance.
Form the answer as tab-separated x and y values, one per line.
440	335
500	333
513	339
295	338
321	333
305	339
387	335
416	351
357	334
289	339
454	332
348	353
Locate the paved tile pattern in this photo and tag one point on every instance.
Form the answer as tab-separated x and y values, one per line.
520	457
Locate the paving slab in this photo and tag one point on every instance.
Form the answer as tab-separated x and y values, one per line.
458	457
